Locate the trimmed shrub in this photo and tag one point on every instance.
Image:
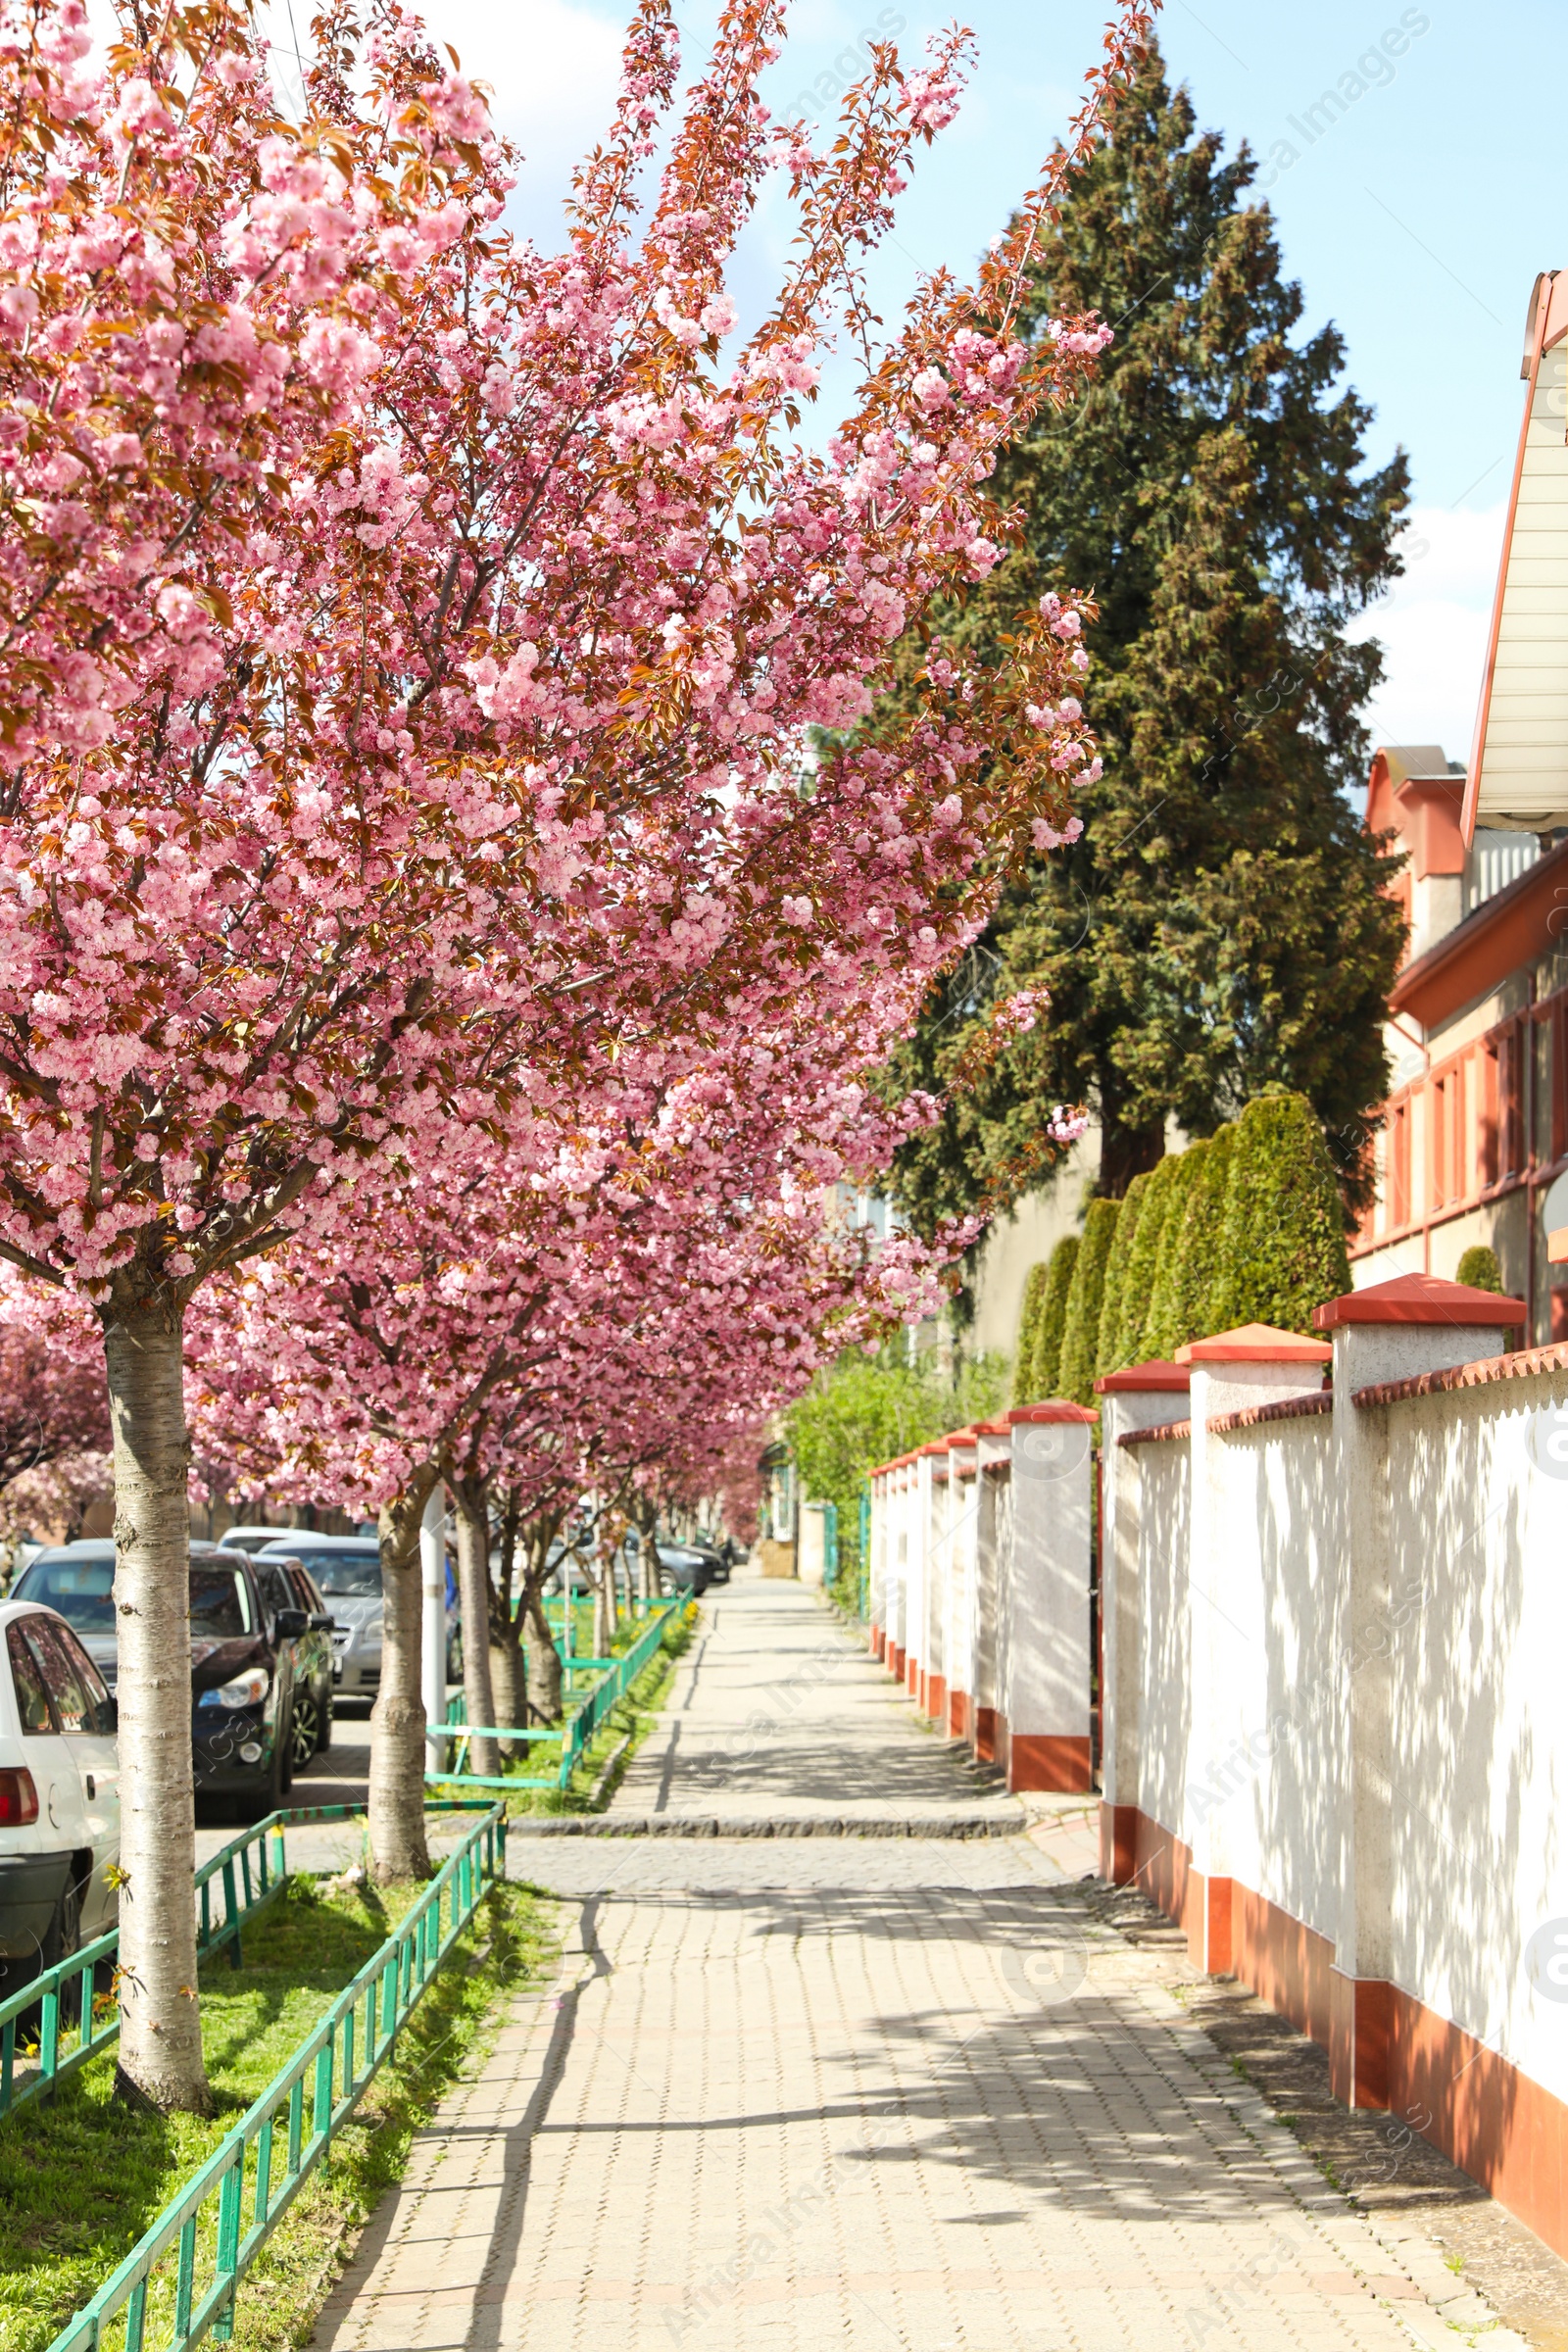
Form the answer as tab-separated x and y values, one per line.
1059	1269
1202	1230
1153	1240
1480	1268
1282	1246
1162	1332
1080	1337
1033	1300
1113	1297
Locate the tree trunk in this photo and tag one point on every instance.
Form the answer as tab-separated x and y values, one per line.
506	1677
1126	1153
159	2058
544	1663
604	1575
397	1849
471	1495
509	1683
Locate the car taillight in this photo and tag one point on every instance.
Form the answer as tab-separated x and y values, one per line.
19	1800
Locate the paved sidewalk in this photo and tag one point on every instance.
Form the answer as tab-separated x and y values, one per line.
862	2093
777	1711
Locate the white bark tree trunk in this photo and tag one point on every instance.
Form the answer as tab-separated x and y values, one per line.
398	1848
471	1495
604	1607
160	2059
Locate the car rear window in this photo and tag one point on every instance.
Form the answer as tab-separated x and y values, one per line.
82	1591
220	1604
356	1574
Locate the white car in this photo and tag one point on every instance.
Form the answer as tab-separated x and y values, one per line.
58	1796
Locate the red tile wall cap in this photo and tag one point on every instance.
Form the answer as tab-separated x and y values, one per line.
1289	1408
1059	1409
992	1429
1557	1246
1418	1299
1255	1344
1158	1373
1528	1364
1158	1436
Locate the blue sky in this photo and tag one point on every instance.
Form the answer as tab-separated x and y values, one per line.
1416	219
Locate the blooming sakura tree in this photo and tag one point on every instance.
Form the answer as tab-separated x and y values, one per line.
409	639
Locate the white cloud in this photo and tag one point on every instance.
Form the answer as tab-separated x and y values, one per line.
1432	628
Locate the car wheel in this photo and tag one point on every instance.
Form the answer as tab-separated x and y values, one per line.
305	1732
325	1740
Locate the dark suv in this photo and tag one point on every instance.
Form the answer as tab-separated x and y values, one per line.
255	1660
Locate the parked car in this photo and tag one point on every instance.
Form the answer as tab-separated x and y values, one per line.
249	1539
348	1569
253	1658
715	1556
681	1569
58	1796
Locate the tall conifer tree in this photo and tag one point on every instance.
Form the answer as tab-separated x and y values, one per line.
1221	927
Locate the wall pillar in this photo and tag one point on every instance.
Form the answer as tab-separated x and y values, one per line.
1391	1331
1140	1397
994	1468
1231	1373
1048	1666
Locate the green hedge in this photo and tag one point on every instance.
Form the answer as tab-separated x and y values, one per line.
1080	1339
1118	1297
1148	1253
1163	1330
1282	1250
1480	1268
1047	1365
1033	1300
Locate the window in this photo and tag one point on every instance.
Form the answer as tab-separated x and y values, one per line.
82	1592
82	1703
220	1604
33	1711
304	1593
1400	1165
276	1590
355	1574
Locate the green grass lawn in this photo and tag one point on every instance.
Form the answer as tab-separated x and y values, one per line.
634	1713
81	2176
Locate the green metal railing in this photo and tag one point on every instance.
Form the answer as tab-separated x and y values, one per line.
216	2225
576	1733
241	1877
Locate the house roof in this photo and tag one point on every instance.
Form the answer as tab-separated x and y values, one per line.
1519	764
1511	929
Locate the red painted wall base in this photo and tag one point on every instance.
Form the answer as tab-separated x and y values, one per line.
1387	2049
958	1714
984	1734
933	1697
1046	1761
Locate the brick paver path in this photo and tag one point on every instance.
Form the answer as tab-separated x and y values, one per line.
860	2092
778	1711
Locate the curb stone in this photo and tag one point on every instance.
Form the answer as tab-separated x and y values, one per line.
751	1824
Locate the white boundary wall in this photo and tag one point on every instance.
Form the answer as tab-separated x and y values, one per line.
1336	1736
